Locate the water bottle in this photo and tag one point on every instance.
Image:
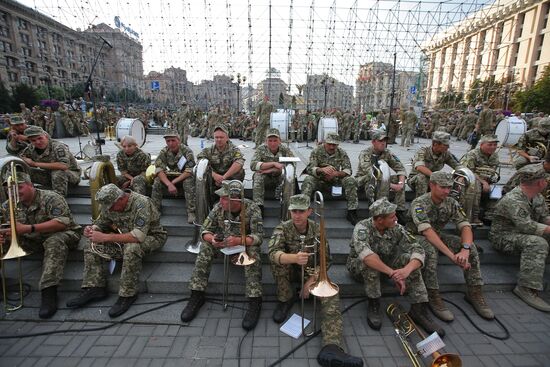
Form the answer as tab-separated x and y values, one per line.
202	143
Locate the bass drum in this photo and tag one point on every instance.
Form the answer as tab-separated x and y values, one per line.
510	130
326	125
281	122
133	128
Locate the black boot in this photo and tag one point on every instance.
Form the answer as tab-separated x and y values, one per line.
419	314
332	355
193	306
352	217
253	313
121	305
48	308
86	296
281	311
374	318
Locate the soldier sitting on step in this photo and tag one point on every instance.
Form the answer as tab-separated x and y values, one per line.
132	162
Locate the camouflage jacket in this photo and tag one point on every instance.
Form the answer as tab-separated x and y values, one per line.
220	161
426	157
56	151
367	158
367	240
140	218
319	158
482	165
214	222
516	213
427	214
486	119
168	161
135	164
514	181
532	136
409	119
263	154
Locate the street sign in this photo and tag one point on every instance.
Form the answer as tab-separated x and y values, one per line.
412	89
155	85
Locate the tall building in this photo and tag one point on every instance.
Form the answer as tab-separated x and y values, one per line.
374	87
220	92
505	41
169	88
274	88
321	88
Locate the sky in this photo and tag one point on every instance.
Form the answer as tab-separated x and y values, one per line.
297	37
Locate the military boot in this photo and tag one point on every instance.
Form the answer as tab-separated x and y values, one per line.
253	313
531	297
419	314
122	305
438	307
332	355
193	306
281	311
374	319
88	295
48	307
352	217
474	296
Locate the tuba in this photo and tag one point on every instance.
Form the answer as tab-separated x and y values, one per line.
102	173
536	149
287	189
379	183
463	178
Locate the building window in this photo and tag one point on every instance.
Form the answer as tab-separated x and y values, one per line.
546	15
5	46
22	24
4	31
25	39
26	51
41	32
11	61
12	76
30	66
4	18
56	49
42	44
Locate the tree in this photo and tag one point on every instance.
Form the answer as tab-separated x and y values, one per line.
485	90
536	97
23	93
450	99
6	101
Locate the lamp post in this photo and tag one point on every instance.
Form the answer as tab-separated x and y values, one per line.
326	82
239	79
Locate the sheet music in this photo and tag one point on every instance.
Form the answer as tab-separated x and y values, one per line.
289	159
431	344
232	250
496	192
181	163
293	326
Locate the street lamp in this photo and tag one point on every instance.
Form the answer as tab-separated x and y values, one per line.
238	81
326	82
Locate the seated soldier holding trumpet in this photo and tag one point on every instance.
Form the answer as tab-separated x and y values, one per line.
138	223
44	223
287	252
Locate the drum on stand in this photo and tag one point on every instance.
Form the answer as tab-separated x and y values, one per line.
326	125
280	121
133	128
509	130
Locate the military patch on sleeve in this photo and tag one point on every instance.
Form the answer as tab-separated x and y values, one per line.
362	235
61	152
523	213
420	214
139	222
56	211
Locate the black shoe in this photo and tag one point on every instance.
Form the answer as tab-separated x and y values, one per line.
419	314
253	313
281	311
86	296
121	305
48	308
193	306
331	355
352	217
374	318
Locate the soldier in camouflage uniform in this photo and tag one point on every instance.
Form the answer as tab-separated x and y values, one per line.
484	163
430	213
182	119
216	235
287	257
521	226
136	223
408	126
514	181
486	121
370	158
381	246
263	113
266	167
530	147
132	162
44	223
16	141
468	125
51	162
430	159
174	170
329	166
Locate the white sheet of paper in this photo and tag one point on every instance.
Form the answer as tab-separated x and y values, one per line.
293	326
112	266
181	163
336	190
496	192
232	250
289	159
431	344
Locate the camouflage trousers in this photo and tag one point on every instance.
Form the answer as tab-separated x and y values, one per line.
331	316
419	183
212	184
349	183
466	130
203	266
429	272
139	184
520	161
416	290
260	182
56	248
406	135
95	271
56	180
261	132
187	186
533	251
183	131
472	200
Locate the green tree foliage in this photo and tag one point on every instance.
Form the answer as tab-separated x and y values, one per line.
485	90
23	93
5	99
450	99
536	97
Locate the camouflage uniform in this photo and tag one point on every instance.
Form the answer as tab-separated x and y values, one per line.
167	161
426	214
141	219
407	128
468	125
486	121
261	180
135	165
263	113
395	247
214	224
182	122
515	179
221	161
518	229
48	205
528	143
319	158
286	239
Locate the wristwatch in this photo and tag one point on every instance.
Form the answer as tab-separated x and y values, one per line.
467	246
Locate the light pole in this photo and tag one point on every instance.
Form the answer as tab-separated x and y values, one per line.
238	81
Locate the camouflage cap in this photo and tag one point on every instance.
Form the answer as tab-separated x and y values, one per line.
545	123
22	177
441	137
273	132
379	135
443	179
34	131
171	133
230	188
16	120
222	127
529	177
490	138
382	207
107	195
332	138
299	202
